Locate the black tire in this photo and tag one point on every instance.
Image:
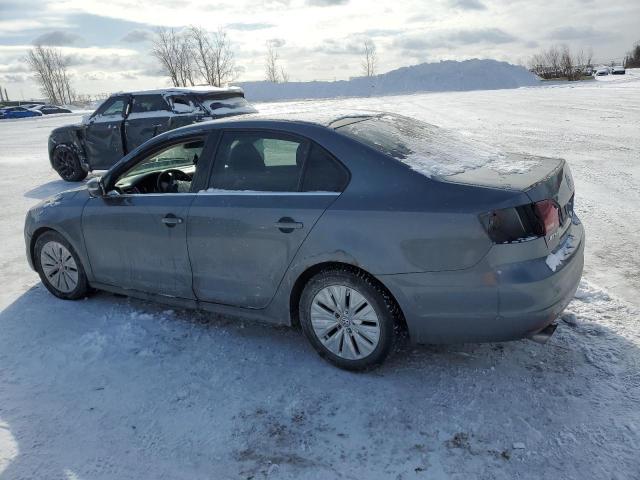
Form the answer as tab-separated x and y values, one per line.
378	298
82	286
67	164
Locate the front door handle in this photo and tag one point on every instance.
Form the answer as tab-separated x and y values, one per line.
170	220
287	225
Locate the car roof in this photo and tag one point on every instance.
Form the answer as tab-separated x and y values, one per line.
198	90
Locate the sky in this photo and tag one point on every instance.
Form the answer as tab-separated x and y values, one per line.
108	42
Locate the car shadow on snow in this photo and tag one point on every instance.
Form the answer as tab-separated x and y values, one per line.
110	387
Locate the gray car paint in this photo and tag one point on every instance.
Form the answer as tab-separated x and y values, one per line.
420	237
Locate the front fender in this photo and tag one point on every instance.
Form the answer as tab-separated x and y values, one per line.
73	136
63	214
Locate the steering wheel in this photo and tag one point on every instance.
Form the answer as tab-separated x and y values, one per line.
167	180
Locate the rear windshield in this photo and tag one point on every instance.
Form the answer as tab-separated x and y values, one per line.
427	149
227	106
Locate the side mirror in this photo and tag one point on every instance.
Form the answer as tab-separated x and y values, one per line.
95	188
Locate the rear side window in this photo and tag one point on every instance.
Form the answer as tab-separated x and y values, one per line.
323	173
265	162
148	103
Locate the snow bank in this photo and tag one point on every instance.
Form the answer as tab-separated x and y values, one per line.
437	77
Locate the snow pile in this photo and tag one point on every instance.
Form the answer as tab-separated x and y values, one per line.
434	77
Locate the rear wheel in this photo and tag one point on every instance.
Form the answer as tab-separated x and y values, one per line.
349	318
67	164
59	267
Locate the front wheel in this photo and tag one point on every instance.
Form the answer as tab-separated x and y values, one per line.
349	318
67	164
59	267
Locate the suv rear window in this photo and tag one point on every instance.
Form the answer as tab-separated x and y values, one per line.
226	106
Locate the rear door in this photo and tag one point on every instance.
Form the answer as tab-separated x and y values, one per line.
104	135
150	115
244	231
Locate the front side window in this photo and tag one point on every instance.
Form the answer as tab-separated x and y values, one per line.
148	103
112	107
170	170
259	162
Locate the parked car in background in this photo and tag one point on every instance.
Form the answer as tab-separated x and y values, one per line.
618	70
18	112
50	109
601	72
354	226
127	120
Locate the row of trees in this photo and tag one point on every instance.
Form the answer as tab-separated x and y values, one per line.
194	56
558	61
191	56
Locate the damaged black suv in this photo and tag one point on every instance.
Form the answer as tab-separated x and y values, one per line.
126	120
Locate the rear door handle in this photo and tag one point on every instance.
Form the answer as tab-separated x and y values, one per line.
288	225
170	220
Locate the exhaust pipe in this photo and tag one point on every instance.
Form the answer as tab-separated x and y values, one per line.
543	335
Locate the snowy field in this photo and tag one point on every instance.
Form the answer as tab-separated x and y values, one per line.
112	388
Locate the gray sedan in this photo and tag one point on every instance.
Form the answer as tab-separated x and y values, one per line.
355	227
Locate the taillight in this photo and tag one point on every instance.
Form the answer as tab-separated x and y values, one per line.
547	212
517	224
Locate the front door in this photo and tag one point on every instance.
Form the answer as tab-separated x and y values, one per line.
244	231
104	135
136	235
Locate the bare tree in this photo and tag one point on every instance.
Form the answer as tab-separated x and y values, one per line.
50	68
271	64
284	75
568	64
370	60
213	57
174	51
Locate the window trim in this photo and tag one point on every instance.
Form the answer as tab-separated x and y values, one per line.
277	133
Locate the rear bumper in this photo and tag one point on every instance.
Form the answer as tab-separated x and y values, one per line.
512	293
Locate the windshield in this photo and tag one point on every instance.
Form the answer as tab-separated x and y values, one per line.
227	106
425	148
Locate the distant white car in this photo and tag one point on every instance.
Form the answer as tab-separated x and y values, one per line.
618	70
602	71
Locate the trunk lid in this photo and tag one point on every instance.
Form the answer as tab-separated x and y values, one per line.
539	178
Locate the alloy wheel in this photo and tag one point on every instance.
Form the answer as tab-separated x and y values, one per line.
345	322
59	266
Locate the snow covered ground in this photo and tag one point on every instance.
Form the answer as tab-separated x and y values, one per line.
112	388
